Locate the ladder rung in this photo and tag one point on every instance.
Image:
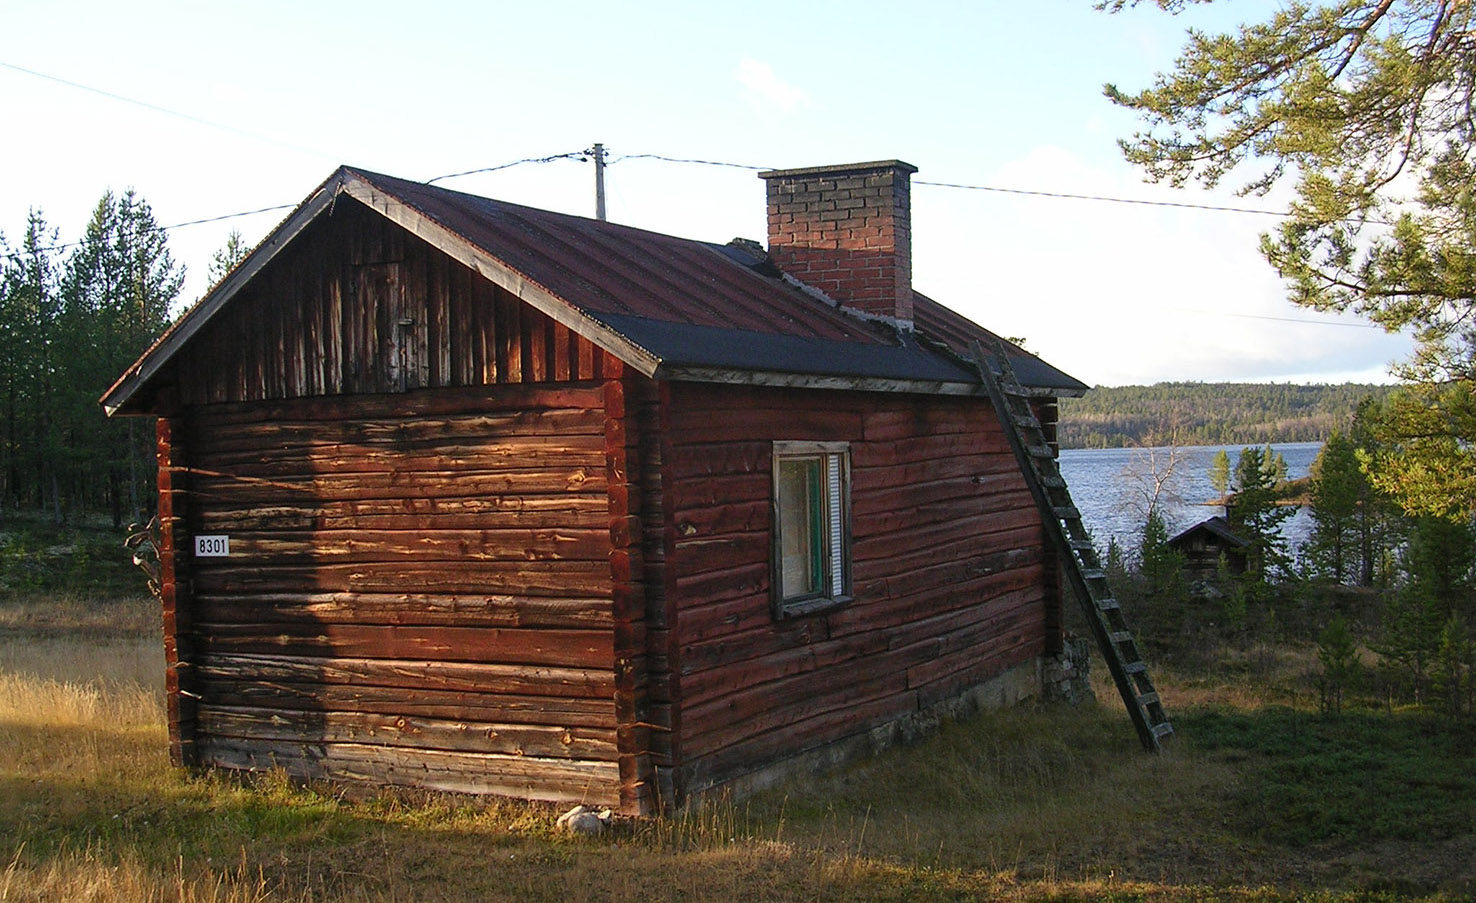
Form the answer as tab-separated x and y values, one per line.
1067	512
1082	545
1027	421
1040	451
1108	604
1137	667
1162	729
1052	481
1094	573
1147	699
1121	636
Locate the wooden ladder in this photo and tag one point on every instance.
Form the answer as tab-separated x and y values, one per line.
1074	547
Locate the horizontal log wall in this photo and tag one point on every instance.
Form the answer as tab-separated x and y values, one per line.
358	305
418	589
949	570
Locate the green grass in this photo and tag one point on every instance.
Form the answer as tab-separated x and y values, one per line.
1314	778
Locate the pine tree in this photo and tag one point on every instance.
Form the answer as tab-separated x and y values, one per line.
1437	589
1274	465
1381	519
1337	652
226	258
1366	106
1219	473
32	350
117	291
1338	492
1453	672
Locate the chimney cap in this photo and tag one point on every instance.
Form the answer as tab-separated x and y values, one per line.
838	168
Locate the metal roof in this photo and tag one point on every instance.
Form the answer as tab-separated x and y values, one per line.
671	307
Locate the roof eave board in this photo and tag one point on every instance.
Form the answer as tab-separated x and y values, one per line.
772	378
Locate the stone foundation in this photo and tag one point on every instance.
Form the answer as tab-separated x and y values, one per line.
1067	677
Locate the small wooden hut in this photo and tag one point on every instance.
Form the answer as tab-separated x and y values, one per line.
460	494
1209	542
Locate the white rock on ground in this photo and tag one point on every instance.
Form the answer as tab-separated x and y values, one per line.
585	820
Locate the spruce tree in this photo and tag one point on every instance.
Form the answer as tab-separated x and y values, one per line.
1159	564
1256	514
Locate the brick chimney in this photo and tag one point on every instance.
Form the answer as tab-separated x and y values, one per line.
847	231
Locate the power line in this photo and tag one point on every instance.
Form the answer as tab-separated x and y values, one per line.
226	216
189	117
689	160
1063	195
579	155
1224	313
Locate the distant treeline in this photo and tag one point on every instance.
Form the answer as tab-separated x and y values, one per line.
1209	414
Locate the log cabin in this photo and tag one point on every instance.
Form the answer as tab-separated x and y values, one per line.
464	495
1212	545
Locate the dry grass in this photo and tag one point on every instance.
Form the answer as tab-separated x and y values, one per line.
89	876
71	616
1029	804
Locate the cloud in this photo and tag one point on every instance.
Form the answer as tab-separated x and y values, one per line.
759	78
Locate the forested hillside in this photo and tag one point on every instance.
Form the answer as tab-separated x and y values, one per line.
1209	414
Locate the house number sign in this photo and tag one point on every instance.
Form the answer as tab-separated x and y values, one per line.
218	546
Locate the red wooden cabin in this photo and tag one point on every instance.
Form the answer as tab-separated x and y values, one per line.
465	495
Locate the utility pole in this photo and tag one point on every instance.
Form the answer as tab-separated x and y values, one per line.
599	158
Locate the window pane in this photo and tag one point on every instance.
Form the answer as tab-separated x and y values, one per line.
800	519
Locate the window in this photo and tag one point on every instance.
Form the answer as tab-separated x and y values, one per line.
812	567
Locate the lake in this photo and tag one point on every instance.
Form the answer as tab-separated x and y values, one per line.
1108	486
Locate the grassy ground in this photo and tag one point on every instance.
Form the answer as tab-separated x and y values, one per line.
1260	799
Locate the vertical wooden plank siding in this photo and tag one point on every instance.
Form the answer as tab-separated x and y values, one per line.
947	566
354	307
175	592
419	589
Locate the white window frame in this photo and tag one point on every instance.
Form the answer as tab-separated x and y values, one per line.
834	532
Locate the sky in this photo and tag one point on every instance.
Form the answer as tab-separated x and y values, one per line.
212	109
